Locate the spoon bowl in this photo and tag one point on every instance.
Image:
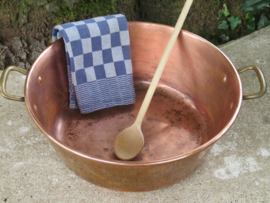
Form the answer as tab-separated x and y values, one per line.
129	142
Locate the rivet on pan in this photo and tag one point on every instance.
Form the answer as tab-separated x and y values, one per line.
231	106
39	80
35	107
224	78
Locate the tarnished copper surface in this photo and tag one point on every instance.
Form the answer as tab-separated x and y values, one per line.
171	127
198	99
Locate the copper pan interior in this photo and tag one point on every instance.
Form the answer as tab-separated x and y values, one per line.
195	102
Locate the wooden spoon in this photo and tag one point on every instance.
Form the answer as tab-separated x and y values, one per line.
130	141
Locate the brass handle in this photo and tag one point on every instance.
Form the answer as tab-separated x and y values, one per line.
261	80
3	82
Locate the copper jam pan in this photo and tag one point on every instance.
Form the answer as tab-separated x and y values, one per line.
196	102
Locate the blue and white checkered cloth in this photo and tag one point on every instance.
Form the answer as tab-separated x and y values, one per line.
98	62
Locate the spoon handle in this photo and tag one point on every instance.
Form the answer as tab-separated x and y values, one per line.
163	61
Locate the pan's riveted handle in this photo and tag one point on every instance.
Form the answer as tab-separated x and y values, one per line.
3	82
261	80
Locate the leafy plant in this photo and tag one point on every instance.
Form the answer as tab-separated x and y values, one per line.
217	2
224	38
251	7
233	21
254	5
250	22
223	25
226	11
263	22
253	18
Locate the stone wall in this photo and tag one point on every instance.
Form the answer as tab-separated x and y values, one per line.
26	25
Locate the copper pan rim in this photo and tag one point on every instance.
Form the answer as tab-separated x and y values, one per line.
140	163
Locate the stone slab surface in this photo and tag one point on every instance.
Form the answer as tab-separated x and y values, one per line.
236	170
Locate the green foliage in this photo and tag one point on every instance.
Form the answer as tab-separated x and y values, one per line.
250	17
225	10
217	2
223	25
251	26
224	38
263	22
234	21
251	7
212	40
220	14
254	5
249	21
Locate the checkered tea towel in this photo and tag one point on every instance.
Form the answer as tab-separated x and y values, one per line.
98	62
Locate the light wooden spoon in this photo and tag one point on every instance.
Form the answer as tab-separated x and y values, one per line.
130	141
